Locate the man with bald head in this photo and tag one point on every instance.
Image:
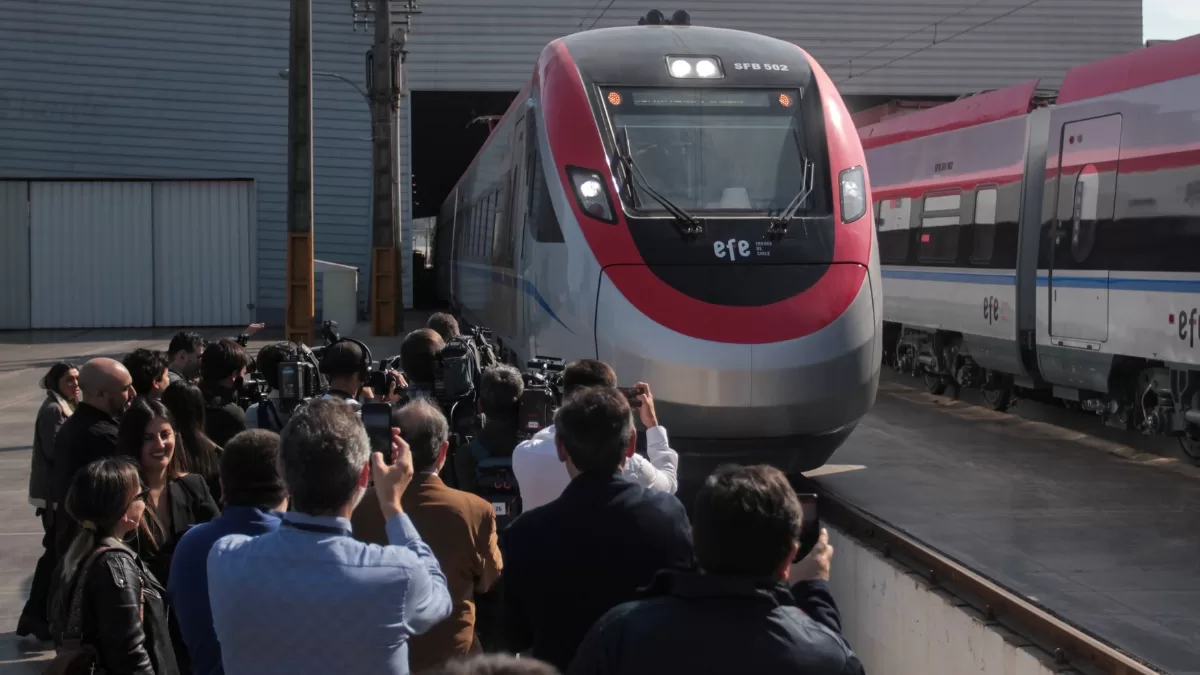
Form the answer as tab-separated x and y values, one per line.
106	388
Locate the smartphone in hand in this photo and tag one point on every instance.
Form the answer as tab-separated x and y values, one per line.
377	418
810	531
631	394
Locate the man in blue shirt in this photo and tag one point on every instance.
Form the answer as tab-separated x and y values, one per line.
309	598
255	499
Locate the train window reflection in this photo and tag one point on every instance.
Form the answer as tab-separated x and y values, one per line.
732	152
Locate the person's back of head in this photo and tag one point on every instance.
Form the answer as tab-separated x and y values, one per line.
424	428
148	368
418	355
444	325
323	452
587	373
250	471
222	360
500	391
343	359
594	428
746	522
271	356
495	664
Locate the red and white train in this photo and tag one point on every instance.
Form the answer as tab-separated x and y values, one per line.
690	205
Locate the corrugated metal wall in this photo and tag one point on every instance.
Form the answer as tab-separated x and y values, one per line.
14	254
203	253
490	45
173	90
91	253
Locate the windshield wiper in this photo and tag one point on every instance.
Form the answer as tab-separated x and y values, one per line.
779	224
687	224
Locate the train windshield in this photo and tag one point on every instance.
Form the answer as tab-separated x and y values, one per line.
712	150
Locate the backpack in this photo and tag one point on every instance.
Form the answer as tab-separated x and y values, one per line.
457	370
268	416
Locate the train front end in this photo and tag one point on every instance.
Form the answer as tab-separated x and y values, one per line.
721	189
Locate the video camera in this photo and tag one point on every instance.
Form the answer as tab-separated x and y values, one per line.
300	380
253	388
542	395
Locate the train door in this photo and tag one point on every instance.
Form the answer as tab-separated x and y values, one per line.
1089	151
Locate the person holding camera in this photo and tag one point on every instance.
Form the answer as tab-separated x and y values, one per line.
345	364
222	371
499	400
543	476
309	597
269	413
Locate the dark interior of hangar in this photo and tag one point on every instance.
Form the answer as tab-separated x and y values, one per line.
446	133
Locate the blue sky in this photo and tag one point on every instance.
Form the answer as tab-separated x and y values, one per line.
1170	19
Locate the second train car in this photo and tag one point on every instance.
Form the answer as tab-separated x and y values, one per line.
689	204
1050	246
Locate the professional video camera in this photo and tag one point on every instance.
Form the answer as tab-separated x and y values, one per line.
300	380
252	389
329	331
460	365
542	396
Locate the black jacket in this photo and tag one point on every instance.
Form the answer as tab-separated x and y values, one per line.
700	623
191	504
223	419
568	562
119	589
88	435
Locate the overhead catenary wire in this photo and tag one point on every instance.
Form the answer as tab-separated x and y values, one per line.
914	52
918	31
601	14
579	26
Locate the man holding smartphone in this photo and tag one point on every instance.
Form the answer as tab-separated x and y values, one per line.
543	476
282	599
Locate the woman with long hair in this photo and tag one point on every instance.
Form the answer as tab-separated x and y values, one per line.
61	383
199	453
122	614
177	499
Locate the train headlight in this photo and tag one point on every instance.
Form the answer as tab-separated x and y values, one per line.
854	194
701	67
592	194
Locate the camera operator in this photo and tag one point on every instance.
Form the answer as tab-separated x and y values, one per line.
345	364
444	325
269	413
222	371
418	360
543	476
499	399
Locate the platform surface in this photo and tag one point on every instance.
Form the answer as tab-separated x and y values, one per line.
1107	543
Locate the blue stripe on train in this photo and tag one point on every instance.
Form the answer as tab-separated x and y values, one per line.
1005	279
526	286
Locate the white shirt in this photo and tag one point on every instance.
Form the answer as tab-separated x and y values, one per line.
543	477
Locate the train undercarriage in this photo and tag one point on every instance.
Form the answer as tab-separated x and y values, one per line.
1143	396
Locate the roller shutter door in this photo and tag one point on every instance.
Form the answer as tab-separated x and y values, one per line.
130	254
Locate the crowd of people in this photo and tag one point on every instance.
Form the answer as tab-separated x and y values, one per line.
185	535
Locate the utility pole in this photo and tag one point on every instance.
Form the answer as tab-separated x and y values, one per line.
386	88
299	309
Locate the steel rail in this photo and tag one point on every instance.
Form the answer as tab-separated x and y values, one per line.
1066	644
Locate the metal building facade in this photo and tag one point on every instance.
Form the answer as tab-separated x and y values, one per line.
106	89
182	91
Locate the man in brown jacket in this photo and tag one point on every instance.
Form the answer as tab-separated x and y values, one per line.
460	528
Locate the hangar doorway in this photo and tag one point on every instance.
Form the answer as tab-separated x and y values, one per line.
448	128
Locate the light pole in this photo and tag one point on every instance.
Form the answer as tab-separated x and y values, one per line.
286	73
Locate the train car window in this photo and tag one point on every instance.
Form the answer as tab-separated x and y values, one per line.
941	220
983	231
892	225
545	223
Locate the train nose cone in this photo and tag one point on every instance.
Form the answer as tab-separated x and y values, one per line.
812	384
